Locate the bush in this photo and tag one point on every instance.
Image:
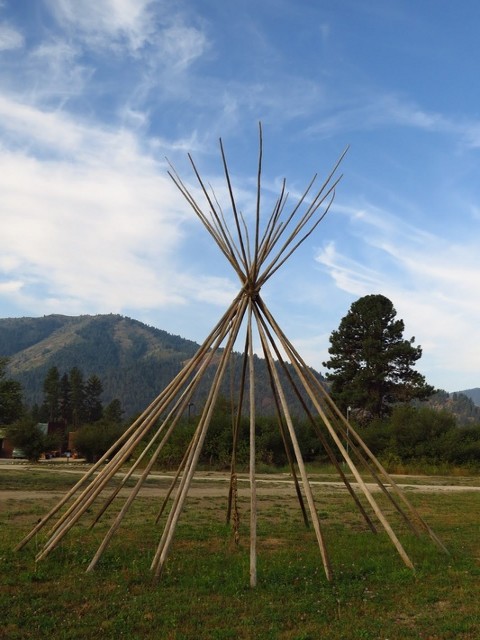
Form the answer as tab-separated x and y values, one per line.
174	449
377	436
26	435
422	434
93	440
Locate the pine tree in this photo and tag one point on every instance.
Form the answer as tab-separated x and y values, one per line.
93	404
65	400
11	401
113	412
371	362
77	387
51	395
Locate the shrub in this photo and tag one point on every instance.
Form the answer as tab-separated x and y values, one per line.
26	435
93	440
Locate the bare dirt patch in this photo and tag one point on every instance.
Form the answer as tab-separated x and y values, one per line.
216	484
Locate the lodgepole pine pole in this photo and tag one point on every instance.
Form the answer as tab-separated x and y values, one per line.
253	484
298	454
169	530
236	429
283	435
313	397
313	422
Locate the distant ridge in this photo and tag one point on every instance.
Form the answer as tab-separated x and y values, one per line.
133	360
136	361
473	394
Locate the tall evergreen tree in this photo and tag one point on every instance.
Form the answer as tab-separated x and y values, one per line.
51	395
11	400
77	387
65	401
93	404
371	362
113	412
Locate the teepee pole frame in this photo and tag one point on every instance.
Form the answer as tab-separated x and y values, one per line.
255	253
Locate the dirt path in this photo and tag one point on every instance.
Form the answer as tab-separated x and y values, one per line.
211	484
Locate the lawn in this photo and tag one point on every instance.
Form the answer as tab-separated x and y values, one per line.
204	591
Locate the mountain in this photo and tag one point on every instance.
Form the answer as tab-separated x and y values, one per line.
134	361
473	394
463	408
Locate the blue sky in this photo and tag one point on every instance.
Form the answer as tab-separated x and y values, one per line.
95	94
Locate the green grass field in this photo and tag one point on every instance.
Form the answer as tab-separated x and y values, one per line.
204	591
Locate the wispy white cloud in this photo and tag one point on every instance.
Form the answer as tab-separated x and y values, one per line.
107	23
348	274
377	110
210	289
10	38
180	45
55	133
57	62
471	133
89	221
433	283
161	38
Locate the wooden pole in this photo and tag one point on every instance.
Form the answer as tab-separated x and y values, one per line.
167	537
253	484
232	492
341	448
286	445
313	422
298	454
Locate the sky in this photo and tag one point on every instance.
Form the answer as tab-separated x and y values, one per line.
96	95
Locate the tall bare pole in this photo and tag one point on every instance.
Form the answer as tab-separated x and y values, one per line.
253	483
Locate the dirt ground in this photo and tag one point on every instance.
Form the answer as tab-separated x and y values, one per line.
211	484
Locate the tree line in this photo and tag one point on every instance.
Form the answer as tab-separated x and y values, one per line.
372	379
371	376
71	402
76	401
409	436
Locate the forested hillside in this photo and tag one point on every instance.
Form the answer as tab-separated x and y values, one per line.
473	394
134	361
459	404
